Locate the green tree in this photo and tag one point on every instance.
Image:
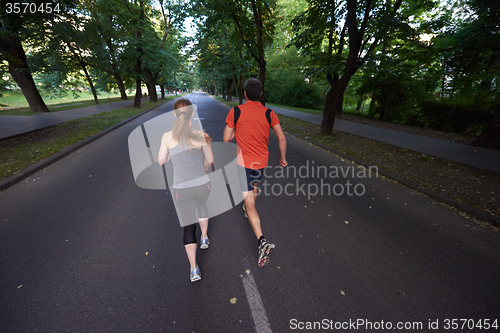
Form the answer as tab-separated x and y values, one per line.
253	22
106	29
222	57
289	80
340	36
17	25
156	53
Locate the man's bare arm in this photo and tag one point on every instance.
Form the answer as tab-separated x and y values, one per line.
228	134
282	144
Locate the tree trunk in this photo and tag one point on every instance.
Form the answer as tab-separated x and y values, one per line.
333	103
138	90
340	107
19	69
162	91
151	84
229	90
333	106
138	37
121	86
239	84
89	80
83	65
262	78
328	114
490	137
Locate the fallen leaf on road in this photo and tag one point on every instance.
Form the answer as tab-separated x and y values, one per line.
248	271
346	222
342	292
330	215
233	300
147	253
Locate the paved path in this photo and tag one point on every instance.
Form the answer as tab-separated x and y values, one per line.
465	154
15	125
84	249
485	159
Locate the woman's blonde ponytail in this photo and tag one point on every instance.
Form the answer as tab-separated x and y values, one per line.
182	131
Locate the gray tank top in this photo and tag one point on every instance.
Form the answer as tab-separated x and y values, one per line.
189	170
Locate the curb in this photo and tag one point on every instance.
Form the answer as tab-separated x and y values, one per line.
34	168
474	212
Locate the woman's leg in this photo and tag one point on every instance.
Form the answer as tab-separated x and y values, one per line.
202	194
191	253
203	227
190	244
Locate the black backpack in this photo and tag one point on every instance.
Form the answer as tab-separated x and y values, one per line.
237	113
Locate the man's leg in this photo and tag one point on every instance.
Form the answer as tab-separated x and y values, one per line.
249	200
265	247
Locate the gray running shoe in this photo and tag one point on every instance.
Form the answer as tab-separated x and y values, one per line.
245	210
264	251
204	243
195	274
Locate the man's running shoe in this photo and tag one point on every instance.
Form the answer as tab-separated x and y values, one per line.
264	251
204	243
245	210
195	274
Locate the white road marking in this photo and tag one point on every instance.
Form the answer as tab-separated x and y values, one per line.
258	312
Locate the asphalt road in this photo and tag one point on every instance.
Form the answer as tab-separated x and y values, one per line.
83	249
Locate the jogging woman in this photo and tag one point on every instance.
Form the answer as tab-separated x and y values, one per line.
191	156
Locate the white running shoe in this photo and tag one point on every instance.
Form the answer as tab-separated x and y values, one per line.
264	251
204	243
195	274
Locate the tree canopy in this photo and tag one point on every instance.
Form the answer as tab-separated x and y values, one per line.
420	62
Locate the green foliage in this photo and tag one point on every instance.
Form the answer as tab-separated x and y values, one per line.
285	87
3	82
450	82
452	115
234	38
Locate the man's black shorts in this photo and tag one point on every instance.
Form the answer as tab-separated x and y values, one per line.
248	177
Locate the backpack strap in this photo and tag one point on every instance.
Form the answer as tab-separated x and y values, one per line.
237	113
268	116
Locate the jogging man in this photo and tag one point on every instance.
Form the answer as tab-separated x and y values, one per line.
249	123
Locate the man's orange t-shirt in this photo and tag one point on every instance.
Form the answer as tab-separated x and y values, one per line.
252	134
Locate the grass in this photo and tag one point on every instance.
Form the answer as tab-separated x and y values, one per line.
473	186
18	106
231	104
19	152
